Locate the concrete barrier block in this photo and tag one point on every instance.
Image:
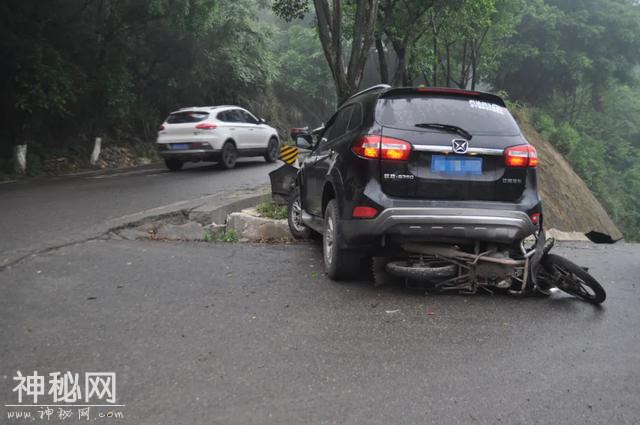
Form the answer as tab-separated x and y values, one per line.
252	228
189	231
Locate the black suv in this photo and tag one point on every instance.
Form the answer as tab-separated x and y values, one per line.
404	165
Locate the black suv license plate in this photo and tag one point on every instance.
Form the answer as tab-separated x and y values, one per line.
456	165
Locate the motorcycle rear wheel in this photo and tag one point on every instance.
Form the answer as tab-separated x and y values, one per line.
572	279
429	271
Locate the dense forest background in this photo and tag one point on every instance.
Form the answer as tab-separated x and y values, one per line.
73	70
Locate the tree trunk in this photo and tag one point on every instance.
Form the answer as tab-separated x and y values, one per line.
476	53
448	52
407	76
435	60
399	76
464	74
474	70
329	21
382	61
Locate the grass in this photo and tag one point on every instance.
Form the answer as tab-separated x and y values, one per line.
271	210
228	236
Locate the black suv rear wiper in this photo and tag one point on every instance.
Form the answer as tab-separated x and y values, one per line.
447	127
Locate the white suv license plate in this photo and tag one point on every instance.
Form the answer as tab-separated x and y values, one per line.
179	146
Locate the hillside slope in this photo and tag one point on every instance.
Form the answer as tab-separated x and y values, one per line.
568	203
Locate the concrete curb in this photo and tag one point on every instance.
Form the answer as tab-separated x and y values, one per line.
252	228
206	210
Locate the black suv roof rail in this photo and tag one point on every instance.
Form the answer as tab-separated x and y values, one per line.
372	88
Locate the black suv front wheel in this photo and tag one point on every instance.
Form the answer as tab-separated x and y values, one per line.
339	263
294	217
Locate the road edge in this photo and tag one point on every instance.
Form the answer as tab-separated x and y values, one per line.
207	209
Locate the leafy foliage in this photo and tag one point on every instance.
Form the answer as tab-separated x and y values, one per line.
291	9
97	67
577	65
302	67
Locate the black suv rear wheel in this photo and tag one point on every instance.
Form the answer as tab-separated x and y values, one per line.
340	263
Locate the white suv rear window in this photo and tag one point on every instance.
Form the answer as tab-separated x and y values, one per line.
187	117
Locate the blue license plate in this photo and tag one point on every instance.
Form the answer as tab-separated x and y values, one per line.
456	165
179	146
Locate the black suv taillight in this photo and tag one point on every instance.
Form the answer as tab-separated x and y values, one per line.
521	156
374	147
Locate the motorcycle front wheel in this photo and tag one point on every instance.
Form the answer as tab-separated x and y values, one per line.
572	279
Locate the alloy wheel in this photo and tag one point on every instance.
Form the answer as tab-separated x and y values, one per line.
329	240
273	152
296	215
229	155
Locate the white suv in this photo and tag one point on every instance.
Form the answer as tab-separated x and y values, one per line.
215	133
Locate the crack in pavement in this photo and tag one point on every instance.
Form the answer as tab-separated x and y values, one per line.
46	250
219	201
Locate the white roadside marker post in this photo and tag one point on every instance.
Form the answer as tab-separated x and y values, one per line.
96	151
20	153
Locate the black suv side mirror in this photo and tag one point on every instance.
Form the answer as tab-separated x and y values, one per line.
305	142
306	138
302	138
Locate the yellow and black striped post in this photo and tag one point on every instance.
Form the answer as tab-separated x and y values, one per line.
288	154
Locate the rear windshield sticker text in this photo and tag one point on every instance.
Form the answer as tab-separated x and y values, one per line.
476	104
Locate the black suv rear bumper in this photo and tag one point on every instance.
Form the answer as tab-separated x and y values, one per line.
440	225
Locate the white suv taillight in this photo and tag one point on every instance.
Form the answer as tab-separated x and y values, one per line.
521	156
373	147
206	126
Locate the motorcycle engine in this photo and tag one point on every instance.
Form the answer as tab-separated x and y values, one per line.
494	274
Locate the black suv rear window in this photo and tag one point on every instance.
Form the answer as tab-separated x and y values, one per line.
187	117
473	115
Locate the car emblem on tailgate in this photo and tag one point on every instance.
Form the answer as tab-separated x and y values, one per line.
460	145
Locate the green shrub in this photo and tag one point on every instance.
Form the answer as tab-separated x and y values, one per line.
228	236
271	210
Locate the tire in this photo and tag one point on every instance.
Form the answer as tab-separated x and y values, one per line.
339	263
431	271
572	279
228	156
271	155
379	273
173	164
294	217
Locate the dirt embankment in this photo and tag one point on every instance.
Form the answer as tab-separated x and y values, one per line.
569	205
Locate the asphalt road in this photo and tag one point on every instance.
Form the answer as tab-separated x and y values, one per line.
42	211
255	334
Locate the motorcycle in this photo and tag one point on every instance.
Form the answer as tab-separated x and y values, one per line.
526	270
